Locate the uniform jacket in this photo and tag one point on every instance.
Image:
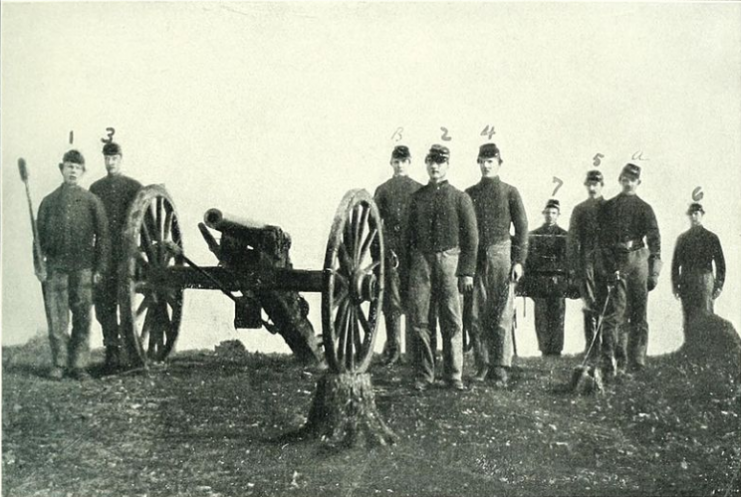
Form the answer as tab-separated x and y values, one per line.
627	218
549	244
73	230
441	217
393	198
116	193
583	232
499	205
695	251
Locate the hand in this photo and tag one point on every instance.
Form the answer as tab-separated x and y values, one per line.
465	284
97	278
612	279
393	259
41	275
653	280
516	272
716	293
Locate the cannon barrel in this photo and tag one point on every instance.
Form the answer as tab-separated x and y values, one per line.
224	222
243	236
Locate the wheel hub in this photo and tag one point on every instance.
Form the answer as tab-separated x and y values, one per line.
363	286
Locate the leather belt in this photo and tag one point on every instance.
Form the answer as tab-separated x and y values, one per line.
630	245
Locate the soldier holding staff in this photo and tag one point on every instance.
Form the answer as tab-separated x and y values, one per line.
73	236
630	246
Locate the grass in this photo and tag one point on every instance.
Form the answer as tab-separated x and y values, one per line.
208	424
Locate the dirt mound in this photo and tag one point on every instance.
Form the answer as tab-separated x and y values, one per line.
713	339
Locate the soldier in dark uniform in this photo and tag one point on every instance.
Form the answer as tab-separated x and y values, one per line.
441	250
583	255
630	245
550	311
498	206
73	236
393	198
692	268
117	192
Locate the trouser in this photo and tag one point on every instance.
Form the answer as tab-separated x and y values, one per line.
593	291
628	307
696	293
432	279
392	308
492	308
65	292
106	309
549	321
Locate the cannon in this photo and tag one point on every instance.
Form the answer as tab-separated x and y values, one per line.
255	271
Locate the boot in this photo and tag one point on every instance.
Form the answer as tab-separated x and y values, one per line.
112	359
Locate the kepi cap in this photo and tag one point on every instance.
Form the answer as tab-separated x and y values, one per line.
595	175
74	156
401	152
112	148
438	154
489	151
631	171
695	207
553	204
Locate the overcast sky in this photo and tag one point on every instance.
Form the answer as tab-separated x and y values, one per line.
273	111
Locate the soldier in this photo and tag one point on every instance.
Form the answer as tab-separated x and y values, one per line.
441	250
498	205
117	192
74	241
583	255
692	268
393	198
550	311
627	225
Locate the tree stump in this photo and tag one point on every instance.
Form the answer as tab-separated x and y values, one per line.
343	412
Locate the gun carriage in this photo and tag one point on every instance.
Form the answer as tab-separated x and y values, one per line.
255	271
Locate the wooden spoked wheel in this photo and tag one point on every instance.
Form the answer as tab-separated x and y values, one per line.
151	309
353	289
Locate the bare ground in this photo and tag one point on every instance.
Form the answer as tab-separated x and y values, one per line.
207	424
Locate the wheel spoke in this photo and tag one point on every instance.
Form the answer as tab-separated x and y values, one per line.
145	303
342	316
349	353
371	267
147	243
345	259
168	223
356	333
367	244
364	321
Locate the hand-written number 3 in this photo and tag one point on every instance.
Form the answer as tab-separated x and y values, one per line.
111	132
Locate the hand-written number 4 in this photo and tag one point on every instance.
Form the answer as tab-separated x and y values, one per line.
487	132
